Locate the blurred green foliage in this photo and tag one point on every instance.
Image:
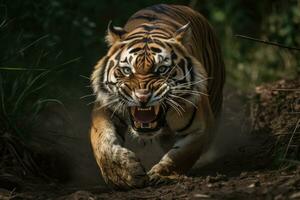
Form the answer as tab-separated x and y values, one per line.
249	63
40	33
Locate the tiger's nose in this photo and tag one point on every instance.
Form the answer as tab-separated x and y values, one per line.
143	95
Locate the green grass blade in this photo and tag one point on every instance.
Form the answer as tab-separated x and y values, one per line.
25	92
2	98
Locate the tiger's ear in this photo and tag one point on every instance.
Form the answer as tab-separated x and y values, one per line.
182	33
114	34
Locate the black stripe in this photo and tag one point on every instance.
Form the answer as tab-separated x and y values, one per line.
160	36
181	65
161	9
124	94
172	24
148	28
146	40
125	91
180	81
156	50
190	122
160	32
134	37
148	18
159	42
131	44
118	56
173	56
135	50
101	78
138	33
190	66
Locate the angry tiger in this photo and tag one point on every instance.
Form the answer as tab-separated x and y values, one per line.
158	96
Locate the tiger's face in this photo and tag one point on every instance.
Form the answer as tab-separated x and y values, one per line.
147	74
143	80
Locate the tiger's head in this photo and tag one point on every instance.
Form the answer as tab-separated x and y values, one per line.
148	75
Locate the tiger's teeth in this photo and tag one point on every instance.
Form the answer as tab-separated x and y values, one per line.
146	125
132	110
137	124
153	125
156	109
144	109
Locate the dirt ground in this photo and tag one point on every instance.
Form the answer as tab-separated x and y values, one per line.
268	167
261	184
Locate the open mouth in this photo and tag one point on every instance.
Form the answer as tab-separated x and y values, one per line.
146	119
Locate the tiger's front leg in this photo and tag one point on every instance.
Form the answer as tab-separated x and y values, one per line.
119	166
187	149
180	158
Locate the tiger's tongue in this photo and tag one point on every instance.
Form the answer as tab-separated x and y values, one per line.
144	115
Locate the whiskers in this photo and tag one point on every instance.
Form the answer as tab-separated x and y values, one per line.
185	85
176	106
88	95
164	107
174	97
184	88
120	107
183	99
192	92
85	77
117	107
109	104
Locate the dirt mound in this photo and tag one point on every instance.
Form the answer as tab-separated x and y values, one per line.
276	111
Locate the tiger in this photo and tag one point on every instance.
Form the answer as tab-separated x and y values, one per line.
158	96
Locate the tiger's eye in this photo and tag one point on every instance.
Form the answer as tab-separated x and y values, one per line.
126	70
162	69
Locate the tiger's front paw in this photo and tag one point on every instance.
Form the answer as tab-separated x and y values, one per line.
135	175
124	171
160	174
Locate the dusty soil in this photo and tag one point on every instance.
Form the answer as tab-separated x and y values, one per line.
266	168
248	185
262	184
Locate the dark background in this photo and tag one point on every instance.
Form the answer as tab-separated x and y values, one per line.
43	34
48	50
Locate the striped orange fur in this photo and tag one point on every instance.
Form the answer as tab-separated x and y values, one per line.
161	80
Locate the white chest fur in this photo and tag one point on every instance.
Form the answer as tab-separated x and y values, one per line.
149	151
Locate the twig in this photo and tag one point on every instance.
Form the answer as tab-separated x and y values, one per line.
293	113
287	89
267	42
154	196
291	138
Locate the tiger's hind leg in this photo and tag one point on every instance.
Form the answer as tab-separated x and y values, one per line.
119	166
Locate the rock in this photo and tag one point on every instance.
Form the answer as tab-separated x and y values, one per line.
219	177
80	195
255	184
201	196
243	175
295	195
